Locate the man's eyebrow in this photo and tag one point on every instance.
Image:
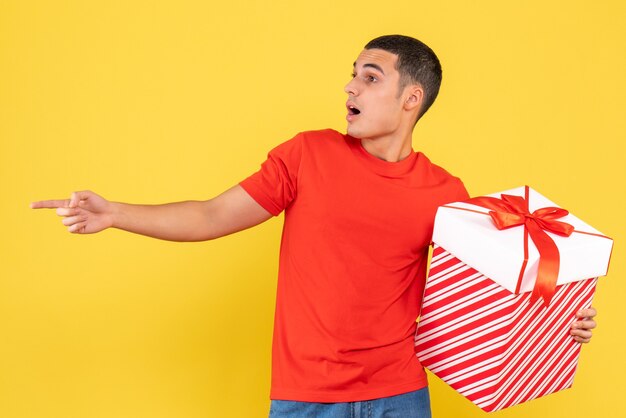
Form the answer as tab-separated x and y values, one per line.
370	65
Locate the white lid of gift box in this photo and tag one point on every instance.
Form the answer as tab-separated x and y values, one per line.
499	254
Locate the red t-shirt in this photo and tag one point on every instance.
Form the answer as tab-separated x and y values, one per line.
352	265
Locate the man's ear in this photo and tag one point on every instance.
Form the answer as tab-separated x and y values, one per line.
414	98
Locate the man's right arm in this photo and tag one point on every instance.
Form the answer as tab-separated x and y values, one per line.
234	210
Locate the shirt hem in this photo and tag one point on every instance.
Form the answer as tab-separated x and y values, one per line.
345	396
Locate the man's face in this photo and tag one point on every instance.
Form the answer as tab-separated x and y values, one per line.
374	104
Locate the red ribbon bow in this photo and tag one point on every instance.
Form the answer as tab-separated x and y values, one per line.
513	211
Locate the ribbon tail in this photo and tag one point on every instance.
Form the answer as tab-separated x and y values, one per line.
549	261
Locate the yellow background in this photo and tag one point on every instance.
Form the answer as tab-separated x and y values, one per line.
153	101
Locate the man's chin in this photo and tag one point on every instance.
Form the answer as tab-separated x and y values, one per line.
354	133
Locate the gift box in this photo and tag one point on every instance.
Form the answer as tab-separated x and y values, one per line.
508	273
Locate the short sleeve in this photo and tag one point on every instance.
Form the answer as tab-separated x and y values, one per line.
462	193
274	186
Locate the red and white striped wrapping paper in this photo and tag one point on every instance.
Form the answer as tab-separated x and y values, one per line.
493	346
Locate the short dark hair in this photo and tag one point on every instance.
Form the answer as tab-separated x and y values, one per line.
417	63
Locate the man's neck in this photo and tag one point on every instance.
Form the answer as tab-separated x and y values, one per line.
392	149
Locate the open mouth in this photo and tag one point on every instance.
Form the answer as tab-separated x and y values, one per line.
353	110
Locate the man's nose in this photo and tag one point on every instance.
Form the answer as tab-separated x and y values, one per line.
350	88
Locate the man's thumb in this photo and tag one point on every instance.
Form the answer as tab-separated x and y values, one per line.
77	197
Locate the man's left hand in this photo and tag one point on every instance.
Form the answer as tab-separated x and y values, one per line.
581	329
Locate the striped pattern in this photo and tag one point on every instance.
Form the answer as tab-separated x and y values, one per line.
496	348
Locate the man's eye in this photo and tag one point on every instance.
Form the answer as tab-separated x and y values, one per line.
371	78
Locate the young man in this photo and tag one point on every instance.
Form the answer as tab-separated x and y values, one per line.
359	211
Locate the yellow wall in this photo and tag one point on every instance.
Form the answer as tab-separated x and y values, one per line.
150	102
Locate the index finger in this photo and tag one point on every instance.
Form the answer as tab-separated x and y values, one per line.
50	204
587	313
